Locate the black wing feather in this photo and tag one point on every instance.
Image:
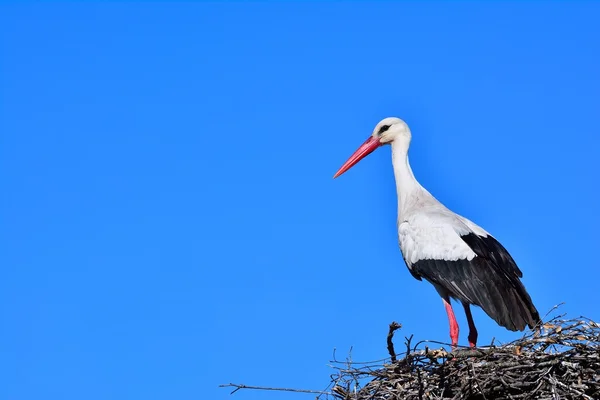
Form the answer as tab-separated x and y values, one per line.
491	249
490	281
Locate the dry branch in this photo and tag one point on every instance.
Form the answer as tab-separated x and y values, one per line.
239	386
390	344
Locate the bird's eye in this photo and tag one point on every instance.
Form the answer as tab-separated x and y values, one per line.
383	129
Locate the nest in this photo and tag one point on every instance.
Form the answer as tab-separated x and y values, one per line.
559	361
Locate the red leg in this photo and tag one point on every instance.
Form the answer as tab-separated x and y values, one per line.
452	321
472	329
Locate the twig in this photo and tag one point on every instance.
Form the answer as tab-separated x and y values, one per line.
238	386
390	345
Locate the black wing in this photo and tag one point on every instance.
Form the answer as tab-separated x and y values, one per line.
490	281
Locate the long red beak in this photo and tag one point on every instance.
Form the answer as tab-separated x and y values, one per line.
364	150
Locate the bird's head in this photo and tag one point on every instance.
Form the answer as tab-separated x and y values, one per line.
388	130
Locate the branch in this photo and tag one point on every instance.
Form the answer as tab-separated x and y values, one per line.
390	345
238	386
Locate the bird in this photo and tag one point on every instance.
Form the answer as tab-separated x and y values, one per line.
460	259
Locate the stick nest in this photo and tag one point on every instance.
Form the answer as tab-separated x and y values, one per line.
559	361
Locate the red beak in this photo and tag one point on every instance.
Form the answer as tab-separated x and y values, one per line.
364	150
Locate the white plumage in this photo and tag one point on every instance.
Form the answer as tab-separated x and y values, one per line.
431	235
458	257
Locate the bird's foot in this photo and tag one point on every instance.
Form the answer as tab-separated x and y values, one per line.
472	338
454	345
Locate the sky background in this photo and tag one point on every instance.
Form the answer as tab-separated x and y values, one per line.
169	218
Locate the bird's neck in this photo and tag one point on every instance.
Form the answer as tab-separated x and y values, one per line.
408	188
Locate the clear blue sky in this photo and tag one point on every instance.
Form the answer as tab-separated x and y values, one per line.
169	218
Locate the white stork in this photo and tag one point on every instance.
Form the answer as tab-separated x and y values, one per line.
459	258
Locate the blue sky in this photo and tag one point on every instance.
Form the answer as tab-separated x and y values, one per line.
169	218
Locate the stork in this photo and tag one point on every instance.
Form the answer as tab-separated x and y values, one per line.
460	259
